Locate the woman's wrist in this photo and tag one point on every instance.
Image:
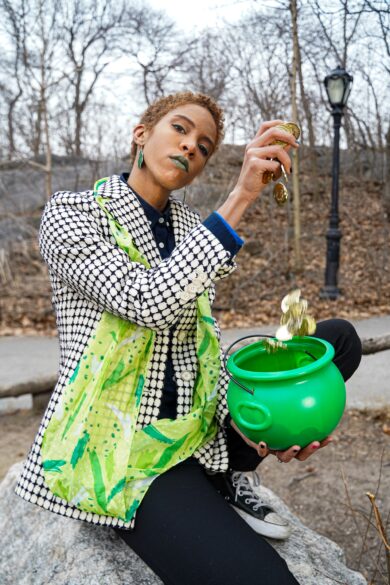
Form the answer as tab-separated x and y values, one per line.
234	208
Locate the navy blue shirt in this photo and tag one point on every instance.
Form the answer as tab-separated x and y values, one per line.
161	225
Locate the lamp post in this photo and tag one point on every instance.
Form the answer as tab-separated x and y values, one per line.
338	86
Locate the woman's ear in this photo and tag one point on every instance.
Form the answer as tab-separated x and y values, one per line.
140	134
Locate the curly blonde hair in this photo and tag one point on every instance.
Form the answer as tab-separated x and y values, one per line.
160	107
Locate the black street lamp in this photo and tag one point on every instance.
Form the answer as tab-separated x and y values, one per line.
338	86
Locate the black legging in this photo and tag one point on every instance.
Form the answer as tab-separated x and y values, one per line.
189	534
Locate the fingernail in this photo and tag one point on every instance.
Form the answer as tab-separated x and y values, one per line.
296	449
314	446
262	445
298	141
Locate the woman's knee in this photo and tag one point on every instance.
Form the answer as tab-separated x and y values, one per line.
335	327
349	334
346	341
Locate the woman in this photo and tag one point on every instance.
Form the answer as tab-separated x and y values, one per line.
183	523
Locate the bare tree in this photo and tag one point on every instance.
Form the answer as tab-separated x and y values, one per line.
14	27
159	52
33	28
382	15
341	32
259	85
298	265
307	103
383	19
339	37
88	32
209	64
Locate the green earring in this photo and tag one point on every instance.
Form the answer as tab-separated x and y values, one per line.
141	158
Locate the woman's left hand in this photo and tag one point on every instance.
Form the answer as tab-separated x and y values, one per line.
294	452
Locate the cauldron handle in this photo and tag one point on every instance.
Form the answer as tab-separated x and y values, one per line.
225	357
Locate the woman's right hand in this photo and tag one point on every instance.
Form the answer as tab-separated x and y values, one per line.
258	153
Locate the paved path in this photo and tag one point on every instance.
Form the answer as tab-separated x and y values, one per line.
29	364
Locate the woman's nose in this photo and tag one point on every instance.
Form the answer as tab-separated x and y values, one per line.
189	147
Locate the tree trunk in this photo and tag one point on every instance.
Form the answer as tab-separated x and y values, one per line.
78	113
298	267
49	165
38	131
375	344
309	119
45	117
386	187
11	131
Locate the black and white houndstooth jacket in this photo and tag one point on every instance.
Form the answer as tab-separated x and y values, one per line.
89	273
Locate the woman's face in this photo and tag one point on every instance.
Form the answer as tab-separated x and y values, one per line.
188	132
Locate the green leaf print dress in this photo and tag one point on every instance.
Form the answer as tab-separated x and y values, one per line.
93	456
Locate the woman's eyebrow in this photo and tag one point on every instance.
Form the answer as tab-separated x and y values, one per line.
193	125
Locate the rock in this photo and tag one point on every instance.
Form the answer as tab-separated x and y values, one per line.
311	557
39	548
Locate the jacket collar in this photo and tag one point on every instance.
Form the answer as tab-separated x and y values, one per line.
127	209
153	214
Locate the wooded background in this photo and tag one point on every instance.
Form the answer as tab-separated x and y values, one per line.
64	64
75	76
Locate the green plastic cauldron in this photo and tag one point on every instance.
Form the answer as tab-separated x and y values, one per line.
290	397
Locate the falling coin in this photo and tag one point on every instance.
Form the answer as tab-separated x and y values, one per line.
295	320
280	194
273	345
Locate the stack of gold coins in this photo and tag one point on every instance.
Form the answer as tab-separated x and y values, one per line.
280	192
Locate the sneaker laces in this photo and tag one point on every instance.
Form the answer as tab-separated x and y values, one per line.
244	488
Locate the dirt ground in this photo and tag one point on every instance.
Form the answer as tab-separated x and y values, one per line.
327	492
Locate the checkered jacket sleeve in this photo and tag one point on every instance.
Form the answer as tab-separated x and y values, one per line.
76	245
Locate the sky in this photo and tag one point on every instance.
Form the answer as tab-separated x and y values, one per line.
190	17
201	13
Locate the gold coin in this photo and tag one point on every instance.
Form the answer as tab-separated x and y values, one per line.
291	128
280	194
311	324
268	176
272	345
294	320
290	299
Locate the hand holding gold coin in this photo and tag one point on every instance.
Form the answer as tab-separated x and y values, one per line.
280	192
266	158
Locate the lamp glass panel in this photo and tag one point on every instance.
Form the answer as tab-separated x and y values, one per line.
347	91
335	90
